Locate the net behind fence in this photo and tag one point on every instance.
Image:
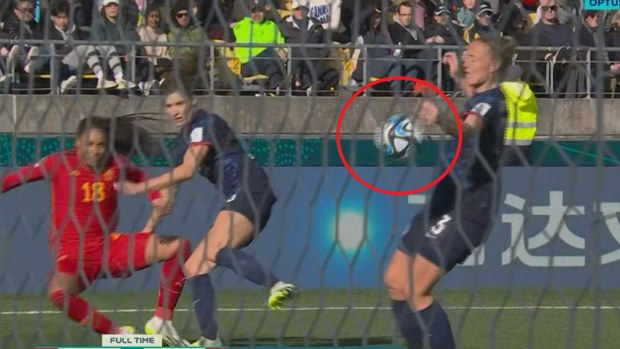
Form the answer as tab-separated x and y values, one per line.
280	73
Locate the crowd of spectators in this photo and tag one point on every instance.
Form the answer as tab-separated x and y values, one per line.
137	44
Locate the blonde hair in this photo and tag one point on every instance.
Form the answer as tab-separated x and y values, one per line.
502	51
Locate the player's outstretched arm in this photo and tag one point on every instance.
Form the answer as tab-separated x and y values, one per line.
160	200
194	155
25	174
160	207
431	114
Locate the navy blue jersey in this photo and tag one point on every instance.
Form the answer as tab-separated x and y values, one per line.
480	156
226	164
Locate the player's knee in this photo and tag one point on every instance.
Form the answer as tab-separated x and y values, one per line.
57	297
421	300
420	297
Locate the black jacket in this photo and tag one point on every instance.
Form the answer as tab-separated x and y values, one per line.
588	38
612	39
313	33
400	35
17	29
554	35
71	35
451	33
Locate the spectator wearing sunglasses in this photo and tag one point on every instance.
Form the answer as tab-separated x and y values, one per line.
549	32
590	34
185	31
558	37
483	26
20	25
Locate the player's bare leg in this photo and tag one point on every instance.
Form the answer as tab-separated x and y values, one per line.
410	282
173	251
220	247
63	291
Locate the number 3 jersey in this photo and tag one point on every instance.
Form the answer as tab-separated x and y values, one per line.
480	155
226	164
83	207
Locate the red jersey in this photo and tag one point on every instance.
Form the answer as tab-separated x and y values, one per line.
83	202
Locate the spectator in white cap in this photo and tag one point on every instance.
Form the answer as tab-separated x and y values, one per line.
309	66
109	26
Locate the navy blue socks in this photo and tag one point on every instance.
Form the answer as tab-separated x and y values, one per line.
433	319
204	305
246	266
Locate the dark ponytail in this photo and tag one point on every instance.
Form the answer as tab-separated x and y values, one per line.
132	134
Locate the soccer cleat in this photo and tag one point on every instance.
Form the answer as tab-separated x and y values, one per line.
164	328
208	343
280	293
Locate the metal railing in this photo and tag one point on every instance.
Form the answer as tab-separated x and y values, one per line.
549	80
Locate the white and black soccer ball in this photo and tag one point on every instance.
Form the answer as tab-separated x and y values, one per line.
395	136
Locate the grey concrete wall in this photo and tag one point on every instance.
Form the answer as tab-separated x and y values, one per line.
45	114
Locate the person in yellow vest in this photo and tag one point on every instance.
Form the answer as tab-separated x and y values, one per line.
255	58
521	119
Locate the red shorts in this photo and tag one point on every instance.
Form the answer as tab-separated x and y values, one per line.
126	254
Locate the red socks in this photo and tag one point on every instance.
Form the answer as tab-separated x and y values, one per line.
81	312
171	282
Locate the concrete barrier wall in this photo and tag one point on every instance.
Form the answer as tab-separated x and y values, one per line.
46	114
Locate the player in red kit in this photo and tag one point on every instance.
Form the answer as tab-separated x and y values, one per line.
82	237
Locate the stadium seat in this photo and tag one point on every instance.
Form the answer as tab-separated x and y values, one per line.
254	78
234	65
49	76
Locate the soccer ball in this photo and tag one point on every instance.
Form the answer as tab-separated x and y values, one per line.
395	136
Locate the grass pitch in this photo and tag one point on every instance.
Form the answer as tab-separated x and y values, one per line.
483	318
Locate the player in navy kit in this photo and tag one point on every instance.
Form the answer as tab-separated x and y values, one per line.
208	145
464	204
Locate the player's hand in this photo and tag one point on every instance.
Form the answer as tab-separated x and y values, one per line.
131	188
428	113
451	60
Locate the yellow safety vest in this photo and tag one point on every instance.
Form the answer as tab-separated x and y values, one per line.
522	112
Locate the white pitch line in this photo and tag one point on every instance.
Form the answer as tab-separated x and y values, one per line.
529	307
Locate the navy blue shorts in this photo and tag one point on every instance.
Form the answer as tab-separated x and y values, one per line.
255	206
447	239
